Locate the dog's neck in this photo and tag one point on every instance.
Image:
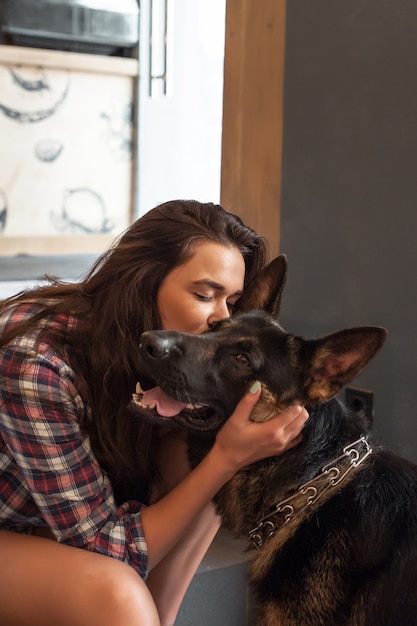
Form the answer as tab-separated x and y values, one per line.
303	502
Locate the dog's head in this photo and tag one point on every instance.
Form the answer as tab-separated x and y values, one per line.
200	378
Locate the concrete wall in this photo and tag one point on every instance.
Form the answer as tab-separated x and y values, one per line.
349	196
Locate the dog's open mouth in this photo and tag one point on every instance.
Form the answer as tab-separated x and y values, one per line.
159	408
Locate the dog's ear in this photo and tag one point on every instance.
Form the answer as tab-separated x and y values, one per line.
338	358
265	289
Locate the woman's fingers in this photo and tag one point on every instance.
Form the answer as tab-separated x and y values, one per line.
245	441
292	419
286	428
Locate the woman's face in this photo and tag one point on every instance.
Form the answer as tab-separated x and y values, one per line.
203	289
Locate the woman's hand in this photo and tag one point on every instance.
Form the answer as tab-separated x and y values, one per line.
242	441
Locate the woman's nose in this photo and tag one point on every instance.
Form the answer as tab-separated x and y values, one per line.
220	312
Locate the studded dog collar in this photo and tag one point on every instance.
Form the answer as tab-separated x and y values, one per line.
292	507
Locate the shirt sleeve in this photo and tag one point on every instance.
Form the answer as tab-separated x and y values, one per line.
40	411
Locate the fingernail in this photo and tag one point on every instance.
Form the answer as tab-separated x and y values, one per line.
255	386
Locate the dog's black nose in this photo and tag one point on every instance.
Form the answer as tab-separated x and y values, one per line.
154	345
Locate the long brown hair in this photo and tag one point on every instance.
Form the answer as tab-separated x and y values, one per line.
118	298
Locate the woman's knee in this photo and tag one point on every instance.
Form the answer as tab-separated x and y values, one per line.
44	583
119	595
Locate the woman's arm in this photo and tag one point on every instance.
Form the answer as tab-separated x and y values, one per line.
39	421
169	579
239	443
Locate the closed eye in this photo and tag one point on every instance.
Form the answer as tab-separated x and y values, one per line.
204	298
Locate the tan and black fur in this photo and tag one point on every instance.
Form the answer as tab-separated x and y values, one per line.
349	559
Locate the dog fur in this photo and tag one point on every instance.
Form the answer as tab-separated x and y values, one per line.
348	558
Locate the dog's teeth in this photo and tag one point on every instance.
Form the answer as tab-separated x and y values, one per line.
150	406
137	399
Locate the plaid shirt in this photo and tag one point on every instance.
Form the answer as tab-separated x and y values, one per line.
48	473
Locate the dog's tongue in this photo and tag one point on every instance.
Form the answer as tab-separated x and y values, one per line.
165	405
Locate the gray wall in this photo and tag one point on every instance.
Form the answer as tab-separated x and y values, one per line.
349	202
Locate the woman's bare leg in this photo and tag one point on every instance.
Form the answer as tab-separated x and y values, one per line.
43	583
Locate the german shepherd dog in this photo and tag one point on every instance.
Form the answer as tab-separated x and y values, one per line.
334	519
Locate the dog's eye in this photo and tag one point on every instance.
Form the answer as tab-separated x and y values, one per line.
243	359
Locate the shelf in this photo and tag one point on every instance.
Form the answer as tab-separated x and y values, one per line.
15	55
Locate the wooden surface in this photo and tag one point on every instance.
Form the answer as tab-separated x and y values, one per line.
16	55
253	114
61	244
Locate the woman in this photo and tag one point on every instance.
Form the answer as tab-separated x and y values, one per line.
78	467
